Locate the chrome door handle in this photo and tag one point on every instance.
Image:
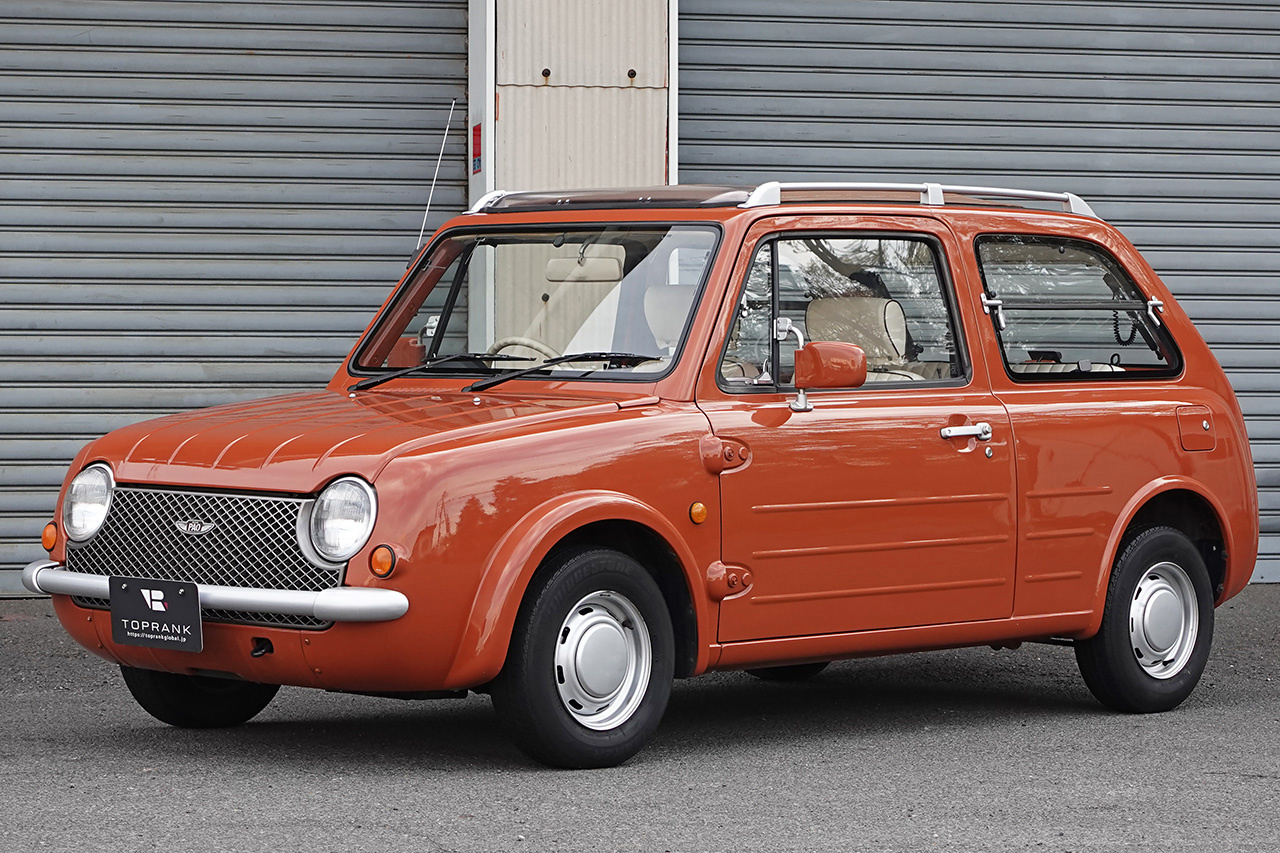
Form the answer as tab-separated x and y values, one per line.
981	431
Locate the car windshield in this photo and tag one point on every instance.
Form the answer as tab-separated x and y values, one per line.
530	297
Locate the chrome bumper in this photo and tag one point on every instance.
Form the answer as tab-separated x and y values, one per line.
340	604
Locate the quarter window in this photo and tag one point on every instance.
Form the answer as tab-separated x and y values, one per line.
1065	310
883	293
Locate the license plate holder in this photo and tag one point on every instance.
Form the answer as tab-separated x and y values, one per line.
160	614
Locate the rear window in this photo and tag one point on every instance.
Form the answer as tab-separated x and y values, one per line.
1066	310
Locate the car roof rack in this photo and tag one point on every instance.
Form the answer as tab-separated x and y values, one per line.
675	195
770	193
488	199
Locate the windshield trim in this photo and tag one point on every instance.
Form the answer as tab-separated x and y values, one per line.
352	365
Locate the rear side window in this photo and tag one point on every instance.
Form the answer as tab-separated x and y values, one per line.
1065	310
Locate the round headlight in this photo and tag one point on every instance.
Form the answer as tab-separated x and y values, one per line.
88	499
342	518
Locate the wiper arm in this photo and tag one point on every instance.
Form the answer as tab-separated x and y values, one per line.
611	359
426	365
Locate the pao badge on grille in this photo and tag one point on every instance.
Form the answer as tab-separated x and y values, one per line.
193	527
598	440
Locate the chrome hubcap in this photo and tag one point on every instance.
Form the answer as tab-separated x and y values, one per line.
1163	620
603	660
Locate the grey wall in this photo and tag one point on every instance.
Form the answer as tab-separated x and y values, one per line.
201	202
1164	116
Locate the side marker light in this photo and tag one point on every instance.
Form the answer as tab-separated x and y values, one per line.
382	562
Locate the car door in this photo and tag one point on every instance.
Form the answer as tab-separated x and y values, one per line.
1084	366
883	506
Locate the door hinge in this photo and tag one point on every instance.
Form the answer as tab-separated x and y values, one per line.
725	581
721	454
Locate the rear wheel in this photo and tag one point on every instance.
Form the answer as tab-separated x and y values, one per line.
1157	627
791	672
589	670
197	701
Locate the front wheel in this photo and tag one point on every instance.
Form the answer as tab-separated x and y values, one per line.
1157	626
589	670
197	701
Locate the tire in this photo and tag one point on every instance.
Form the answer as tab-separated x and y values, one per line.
589	669
197	701
1157	626
791	672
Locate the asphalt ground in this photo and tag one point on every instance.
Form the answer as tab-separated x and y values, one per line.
970	749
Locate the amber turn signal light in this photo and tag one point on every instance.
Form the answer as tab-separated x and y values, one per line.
49	537
698	512
382	562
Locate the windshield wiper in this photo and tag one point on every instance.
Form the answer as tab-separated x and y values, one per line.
426	365
611	359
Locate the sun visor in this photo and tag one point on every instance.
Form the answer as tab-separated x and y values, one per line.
584	269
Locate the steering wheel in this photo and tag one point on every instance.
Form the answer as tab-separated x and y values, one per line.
518	341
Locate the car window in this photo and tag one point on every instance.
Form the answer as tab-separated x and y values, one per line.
1065	310
530	296
883	293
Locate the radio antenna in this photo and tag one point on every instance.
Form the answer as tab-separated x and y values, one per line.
439	157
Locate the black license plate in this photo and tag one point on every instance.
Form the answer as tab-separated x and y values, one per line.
160	614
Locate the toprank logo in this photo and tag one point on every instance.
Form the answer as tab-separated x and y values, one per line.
155	599
194	527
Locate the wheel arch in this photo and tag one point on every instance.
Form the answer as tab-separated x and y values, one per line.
596	518
1177	502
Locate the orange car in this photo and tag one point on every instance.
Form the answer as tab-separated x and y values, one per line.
597	440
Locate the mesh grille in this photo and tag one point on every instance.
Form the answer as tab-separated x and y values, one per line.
253	543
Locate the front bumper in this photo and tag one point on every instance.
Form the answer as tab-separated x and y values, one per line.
340	604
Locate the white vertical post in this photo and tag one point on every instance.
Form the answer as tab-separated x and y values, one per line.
673	92
482	107
482	36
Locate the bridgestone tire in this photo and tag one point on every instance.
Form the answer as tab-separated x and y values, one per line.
790	672
1159	589
573	691
197	701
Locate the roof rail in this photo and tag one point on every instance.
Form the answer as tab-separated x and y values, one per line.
770	193
487	199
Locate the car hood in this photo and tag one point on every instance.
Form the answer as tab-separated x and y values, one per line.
298	442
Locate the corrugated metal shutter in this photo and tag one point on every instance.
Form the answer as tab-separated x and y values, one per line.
201	202
1164	116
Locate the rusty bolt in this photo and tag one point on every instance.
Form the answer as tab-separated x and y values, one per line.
546	72
631	73
728	454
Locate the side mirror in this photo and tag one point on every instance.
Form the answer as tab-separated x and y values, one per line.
827	364
821	364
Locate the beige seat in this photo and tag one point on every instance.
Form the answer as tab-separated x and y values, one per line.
666	308
1056	367
879	326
